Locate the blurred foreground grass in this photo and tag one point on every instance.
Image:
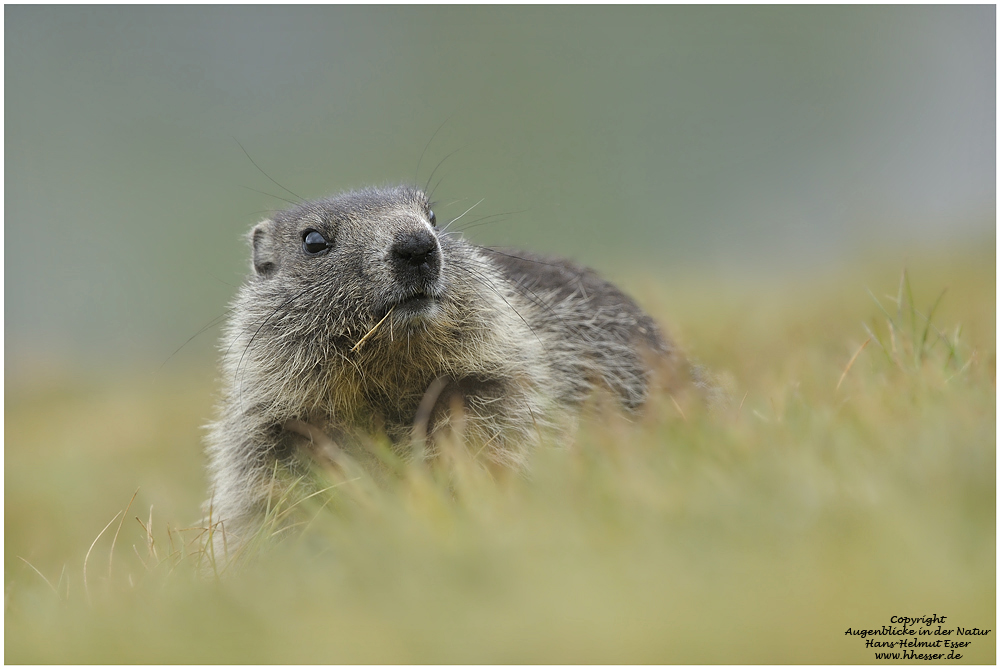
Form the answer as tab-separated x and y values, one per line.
758	533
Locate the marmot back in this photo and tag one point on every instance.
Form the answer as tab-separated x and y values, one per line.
362	318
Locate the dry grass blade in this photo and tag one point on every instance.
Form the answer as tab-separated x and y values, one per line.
148	529
136	550
63	577
878	341
911	303
319	511
953	344
86	558
170	541
368	334
35	569
209	552
928	326
930	323
964	367
679	410
740	408
149	535
850	363
881	308
111	553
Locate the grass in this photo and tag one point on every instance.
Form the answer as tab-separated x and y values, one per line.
843	484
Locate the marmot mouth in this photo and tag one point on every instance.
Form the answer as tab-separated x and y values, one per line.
414	301
413	305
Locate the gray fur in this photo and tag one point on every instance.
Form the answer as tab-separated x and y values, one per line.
521	340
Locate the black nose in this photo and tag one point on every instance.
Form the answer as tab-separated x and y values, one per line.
415	254
415	250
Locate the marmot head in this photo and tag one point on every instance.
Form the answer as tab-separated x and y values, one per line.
352	258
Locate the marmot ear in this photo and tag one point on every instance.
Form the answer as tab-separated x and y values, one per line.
265	253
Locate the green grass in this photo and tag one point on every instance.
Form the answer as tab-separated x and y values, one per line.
817	500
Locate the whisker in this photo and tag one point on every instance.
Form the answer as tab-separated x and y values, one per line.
489	281
475	223
431	192
215	321
434	189
301	199
526	292
264	192
489	249
427	146
445	229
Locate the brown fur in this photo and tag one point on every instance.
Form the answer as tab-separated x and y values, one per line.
395	323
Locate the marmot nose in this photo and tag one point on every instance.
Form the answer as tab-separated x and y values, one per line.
416	254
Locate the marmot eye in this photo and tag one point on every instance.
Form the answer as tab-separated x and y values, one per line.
431	217
314	243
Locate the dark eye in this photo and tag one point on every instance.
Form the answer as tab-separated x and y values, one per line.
314	243
431	217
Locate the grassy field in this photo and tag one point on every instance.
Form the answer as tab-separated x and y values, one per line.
844	483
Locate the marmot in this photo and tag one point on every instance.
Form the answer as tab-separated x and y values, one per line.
361	314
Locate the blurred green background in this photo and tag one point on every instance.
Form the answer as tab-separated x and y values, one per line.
728	139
